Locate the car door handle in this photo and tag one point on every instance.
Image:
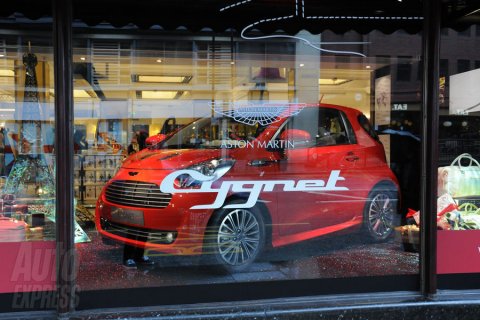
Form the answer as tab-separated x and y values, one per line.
351	157
261	162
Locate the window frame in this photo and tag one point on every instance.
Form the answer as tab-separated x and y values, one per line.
343	119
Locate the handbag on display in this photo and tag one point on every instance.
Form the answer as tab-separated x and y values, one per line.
459	180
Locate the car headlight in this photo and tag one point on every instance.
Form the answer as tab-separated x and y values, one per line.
214	168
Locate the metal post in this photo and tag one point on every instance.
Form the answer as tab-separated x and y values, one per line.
430	112
62	44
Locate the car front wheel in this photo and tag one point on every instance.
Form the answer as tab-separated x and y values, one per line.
236	237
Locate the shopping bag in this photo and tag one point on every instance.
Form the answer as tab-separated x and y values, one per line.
459	180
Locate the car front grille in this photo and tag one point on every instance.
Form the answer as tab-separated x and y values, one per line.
137	194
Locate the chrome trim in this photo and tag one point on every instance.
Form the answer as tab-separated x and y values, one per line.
136	194
136	233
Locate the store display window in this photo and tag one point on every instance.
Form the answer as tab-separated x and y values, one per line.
233	150
458	190
27	172
256	160
222	160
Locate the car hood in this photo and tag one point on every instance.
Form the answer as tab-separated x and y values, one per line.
169	159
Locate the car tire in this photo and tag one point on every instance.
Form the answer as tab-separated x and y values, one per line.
380	215
235	238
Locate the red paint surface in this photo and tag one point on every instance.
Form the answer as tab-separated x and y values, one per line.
27	266
458	251
295	216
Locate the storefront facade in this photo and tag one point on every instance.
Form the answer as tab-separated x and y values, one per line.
214	151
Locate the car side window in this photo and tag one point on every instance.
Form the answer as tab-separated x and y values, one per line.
331	128
316	127
363	121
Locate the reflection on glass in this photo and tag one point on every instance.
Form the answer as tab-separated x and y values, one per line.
213	133
458	214
245	156
27	190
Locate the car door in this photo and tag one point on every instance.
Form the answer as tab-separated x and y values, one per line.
329	153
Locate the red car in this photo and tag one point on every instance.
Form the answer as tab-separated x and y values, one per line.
234	184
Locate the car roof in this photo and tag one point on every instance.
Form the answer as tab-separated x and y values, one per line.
347	110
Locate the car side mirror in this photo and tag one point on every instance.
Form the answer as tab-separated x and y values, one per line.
276	148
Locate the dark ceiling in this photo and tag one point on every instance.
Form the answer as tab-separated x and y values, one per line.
264	15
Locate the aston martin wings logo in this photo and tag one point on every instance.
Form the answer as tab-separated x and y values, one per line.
261	113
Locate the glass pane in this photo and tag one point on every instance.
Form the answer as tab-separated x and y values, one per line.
27	172
223	160
459	153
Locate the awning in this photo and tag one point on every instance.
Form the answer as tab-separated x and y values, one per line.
266	16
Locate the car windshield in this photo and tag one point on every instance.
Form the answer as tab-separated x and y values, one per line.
213	133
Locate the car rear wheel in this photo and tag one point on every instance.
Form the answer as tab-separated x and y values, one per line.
236	238
380	215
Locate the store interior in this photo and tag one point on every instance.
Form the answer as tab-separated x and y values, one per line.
139	91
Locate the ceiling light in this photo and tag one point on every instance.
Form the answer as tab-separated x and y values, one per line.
159	60
82	58
6	73
77	93
232	62
2	55
302	65
332	82
158	94
161	79
367	67
7	110
81	94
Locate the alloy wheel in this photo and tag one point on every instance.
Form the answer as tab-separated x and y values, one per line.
238	237
380	215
